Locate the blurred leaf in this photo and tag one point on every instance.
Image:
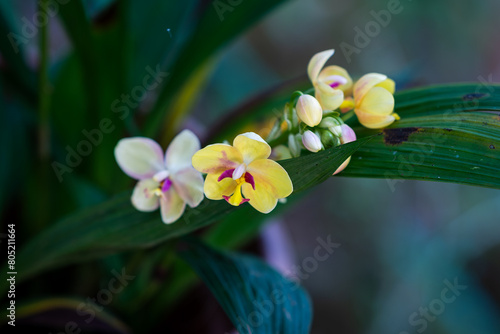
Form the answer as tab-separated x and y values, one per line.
116	226
16	123
215	28
257	299
12	50
446	133
78	28
57	313
68	102
100	66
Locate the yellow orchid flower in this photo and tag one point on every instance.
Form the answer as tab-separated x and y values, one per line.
374	101
330	83
243	167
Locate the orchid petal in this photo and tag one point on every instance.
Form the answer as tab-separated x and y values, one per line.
330	71
328	97
374	121
365	83
260	198
252	147
181	150
272	176
172	206
388	84
189	185
214	159
140	158
143	197
317	62
215	189
377	101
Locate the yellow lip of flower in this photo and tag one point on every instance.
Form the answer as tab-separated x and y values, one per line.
374	101
330	83
243	173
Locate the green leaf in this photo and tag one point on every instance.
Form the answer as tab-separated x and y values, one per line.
446	133
257	299
115	226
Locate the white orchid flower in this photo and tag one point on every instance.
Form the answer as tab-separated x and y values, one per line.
167	181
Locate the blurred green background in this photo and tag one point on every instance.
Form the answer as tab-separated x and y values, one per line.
397	246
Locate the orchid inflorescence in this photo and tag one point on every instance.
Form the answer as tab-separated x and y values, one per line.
315	123
246	171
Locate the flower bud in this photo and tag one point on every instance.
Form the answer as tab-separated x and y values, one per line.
311	141
328	139
329	122
309	110
336	130
348	134
281	152
293	146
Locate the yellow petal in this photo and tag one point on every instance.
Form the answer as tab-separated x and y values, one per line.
347	105
252	147
260	198
317	62
216	158
329	98
215	190
365	83
374	121
388	84
377	101
272	177
329	71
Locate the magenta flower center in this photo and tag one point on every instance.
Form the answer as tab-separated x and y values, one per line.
247	177
165	185
335	84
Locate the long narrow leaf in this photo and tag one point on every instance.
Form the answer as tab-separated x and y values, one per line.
446	133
